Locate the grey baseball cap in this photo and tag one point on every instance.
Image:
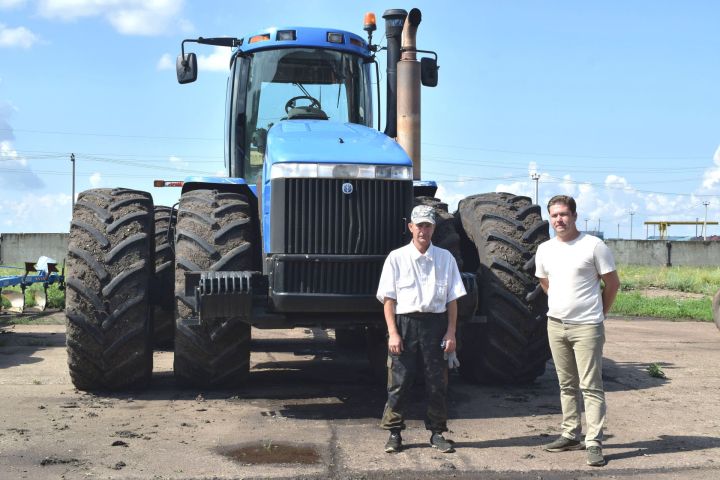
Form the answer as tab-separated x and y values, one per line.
423	214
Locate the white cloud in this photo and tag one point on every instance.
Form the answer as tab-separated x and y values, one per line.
96	179
178	162
15	174
517	188
532	168
218	61
129	17
185	25
711	177
451	199
37	213
166	62
6	4
618	183
16	37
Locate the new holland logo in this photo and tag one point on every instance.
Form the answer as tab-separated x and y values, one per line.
347	188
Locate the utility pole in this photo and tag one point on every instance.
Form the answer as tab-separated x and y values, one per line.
706	203
72	160
536	177
618	232
586	220
631	219
598	229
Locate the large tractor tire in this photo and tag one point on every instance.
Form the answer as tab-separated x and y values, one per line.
215	232
108	272
511	346
162	293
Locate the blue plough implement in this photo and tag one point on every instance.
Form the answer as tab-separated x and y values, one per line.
45	272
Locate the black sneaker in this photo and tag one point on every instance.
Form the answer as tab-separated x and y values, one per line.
394	443
438	441
594	456
562	444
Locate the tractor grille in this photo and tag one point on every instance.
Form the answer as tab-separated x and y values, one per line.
327	276
314	216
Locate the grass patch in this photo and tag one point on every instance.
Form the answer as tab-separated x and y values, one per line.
700	280
704	280
634	304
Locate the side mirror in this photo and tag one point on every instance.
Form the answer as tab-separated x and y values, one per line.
429	71
186	68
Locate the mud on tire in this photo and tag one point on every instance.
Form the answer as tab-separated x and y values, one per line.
215	232
503	232
162	290
108	271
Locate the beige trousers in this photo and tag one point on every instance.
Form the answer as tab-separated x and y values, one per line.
577	353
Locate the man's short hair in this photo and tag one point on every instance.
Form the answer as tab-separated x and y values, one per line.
566	200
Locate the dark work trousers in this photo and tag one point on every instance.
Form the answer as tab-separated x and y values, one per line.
421	334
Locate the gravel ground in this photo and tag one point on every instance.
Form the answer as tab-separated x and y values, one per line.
312	411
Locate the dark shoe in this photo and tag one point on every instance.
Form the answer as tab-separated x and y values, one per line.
594	456
562	444
438	441
394	443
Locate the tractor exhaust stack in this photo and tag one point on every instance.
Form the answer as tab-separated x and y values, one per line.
394	21
408	92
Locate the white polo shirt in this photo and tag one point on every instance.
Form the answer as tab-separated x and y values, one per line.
420	282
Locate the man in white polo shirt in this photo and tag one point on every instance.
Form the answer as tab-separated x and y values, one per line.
419	286
570	267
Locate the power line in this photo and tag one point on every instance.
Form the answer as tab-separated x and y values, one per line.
569	155
459	147
33	154
112	135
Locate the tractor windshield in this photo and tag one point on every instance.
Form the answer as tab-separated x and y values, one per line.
298	83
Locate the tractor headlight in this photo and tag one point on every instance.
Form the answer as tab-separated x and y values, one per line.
332	170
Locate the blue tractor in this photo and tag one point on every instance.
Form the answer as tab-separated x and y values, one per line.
297	233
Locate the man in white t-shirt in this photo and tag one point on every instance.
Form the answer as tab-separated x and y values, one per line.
419	286
570	267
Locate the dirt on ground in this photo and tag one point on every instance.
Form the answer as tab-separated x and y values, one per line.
311	410
655	292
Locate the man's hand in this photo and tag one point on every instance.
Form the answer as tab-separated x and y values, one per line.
450	342
395	345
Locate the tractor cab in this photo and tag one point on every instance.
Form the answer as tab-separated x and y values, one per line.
289	74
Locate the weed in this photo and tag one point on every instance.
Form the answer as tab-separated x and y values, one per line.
655	371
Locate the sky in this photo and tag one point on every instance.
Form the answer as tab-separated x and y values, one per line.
615	103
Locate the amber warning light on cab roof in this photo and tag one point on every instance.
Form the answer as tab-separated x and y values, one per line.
370	25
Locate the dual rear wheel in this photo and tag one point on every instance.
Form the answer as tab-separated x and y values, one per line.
121	272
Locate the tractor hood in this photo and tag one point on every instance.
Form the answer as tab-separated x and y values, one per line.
321	141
